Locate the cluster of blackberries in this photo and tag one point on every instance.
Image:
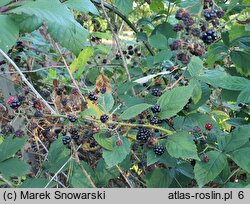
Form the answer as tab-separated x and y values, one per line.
156	108
104	118
15	104
185	16
143	134
129	52
159	150
92	96
209	36
74	133
66	140
156	92
72	118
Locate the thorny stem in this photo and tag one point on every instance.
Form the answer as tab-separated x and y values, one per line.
124	63
169	132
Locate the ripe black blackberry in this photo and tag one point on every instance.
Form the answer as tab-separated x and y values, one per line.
175	45
179	14
45	93
38	114
73	131
59	91
92	96
17	59
15	104
210	14
103	90
131	52
178	27
143	134
75	136
72	118
19	133
104	61
64	101
130	47
156	92
104	118
66	140
219	13
195	32
209	37
203	142
159	150
156	108
188	22
154	120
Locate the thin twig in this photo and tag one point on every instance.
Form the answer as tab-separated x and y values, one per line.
82	168
27	82
36	70
124	63
124	176
6	181
69	72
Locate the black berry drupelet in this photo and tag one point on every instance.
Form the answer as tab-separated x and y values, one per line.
154	120
210	14
66	140
156	108
178	27
220	13
103	90
159	150
156	92
143	134
209	37
38	114
92	96
104	118
15	104
72	118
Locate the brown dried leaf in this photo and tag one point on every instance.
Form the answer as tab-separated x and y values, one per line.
103	81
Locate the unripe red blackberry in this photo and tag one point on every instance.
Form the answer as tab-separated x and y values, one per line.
206	158
209	126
